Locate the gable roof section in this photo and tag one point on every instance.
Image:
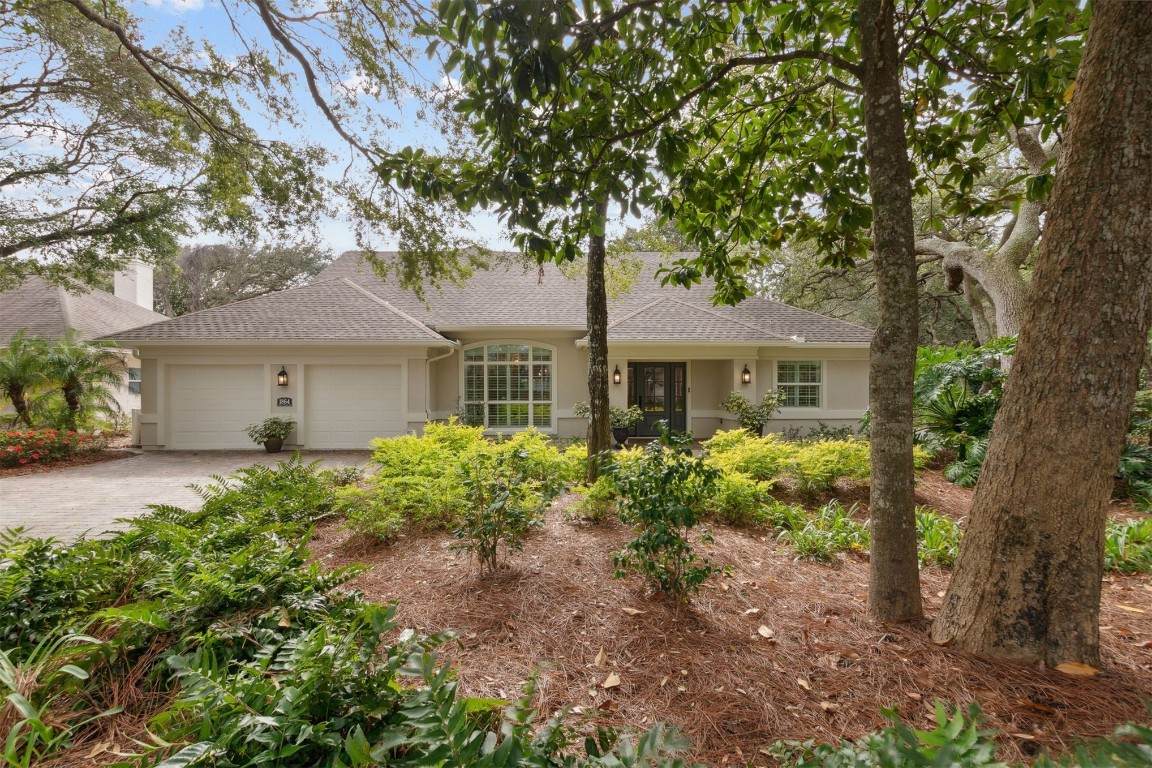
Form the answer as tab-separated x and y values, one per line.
671	320
349	302
47	310
327	310
543	297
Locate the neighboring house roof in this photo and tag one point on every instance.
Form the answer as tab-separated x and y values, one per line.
47	310
348	301
326	310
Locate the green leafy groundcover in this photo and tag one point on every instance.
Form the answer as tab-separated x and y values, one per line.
253	655
241	652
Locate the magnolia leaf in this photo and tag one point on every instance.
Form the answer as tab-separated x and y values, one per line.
803	684
600	659
612	681
764	631
751	611
1068	93
633	611
1076	669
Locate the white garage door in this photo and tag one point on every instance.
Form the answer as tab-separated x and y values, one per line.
348	405
212	404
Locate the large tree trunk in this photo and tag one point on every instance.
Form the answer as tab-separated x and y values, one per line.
1027	584
894	580
599	426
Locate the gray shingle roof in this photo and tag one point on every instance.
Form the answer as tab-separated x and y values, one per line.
325	310
515	295
47	310
348	301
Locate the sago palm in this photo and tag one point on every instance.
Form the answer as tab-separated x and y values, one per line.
22	372
85	373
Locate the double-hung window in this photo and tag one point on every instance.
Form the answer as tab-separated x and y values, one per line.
508	386
801	382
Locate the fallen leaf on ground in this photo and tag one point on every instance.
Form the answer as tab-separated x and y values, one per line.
632	611
828	706
612	681
803	684
600	659
1130	608
765	631
1077	669
751	611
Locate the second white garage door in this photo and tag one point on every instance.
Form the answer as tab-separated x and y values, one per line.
348	405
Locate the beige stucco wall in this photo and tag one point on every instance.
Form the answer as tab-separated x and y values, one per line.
432	390
155	361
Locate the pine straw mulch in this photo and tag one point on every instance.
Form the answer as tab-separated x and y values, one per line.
823	672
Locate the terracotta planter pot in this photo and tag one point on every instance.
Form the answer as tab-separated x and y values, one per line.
274	444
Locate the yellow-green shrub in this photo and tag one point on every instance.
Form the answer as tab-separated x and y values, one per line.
738	500
815	467
761	458
597	503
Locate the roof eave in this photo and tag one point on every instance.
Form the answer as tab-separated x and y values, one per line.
284	342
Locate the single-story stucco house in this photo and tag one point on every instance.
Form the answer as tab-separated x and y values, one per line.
47	311
351	357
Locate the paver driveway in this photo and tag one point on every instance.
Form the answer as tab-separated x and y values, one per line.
88	499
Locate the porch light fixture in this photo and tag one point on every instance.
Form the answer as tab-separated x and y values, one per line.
746	375
282	378
616	375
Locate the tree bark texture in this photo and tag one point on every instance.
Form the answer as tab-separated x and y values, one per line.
1027	583
599	425
894	579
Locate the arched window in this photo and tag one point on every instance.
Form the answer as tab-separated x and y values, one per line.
508	386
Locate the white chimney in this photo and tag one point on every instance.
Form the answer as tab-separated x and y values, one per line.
134	284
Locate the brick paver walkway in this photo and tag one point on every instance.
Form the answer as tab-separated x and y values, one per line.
88	499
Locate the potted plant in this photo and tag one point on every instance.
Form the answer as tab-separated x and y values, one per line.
271	432
621	419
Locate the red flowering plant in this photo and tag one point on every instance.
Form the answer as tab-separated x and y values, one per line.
19	447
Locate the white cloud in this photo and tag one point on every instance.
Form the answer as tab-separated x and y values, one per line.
176	6
362	84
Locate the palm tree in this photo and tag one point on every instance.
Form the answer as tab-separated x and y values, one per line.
21	372
85	372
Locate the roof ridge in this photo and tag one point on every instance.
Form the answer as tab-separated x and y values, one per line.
635	312
734	320
65	303
394	310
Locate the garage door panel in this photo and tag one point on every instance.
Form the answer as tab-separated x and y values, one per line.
349	405
210	405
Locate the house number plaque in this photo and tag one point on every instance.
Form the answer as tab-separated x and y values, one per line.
282	401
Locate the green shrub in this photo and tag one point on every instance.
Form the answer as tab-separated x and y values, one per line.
597	503
761	458
939	537
738	500
503	505
537	458
753	417
785	517
660	495
815	467
830	531
1128	546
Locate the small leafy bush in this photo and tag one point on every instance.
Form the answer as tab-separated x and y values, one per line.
738	500
504	504
752	417
597	503
817	433
761	458
43	446
1128	546
830	531
939	537
660	495
815	467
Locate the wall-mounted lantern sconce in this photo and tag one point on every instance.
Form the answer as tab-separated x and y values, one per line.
746	375
616	375
282	378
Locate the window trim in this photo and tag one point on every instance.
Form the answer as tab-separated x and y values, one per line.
821	385
551	402
134	384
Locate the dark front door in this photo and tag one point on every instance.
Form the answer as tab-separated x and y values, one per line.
659	391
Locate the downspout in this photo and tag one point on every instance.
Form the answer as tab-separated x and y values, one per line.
428	379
